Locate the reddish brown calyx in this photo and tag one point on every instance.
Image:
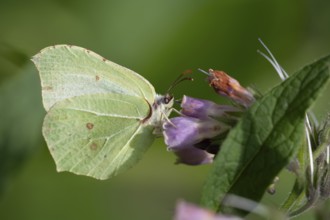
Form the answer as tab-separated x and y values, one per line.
227	86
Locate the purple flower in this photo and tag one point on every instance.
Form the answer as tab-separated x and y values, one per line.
182	133
187	131
200	108
187	211
195	136
191	155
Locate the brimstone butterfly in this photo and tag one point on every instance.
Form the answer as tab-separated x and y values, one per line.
101	117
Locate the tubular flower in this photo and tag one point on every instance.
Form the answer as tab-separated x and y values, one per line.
200	108
197	135
191	155
185	131
182	133
187	211
227	86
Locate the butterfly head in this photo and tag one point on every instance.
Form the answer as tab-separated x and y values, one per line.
163	103
167	100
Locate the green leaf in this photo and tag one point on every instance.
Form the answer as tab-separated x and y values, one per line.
266	138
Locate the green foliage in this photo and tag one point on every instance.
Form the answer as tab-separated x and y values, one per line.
158	39
312	183
21	118
265	139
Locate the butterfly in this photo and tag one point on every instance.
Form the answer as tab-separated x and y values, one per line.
101	117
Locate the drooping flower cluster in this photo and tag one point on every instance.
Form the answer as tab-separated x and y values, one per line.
195	136
182	133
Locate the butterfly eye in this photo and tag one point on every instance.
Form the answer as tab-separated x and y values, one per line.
167	98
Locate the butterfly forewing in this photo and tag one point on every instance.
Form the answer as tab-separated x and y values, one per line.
98	135
69	71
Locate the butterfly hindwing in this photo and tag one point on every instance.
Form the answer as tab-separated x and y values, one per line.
98	135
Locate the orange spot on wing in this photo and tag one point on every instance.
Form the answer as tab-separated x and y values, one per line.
93	146
47	88
89	126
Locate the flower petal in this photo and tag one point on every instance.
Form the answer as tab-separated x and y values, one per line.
188	211
191	155
185	131
200	108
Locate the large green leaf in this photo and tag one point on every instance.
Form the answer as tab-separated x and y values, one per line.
266	138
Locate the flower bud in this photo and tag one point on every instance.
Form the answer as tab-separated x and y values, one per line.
229	87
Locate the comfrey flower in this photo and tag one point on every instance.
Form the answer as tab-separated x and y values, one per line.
200	108
191	135
192	155
227	86
185	130
182	133
195	136
187	211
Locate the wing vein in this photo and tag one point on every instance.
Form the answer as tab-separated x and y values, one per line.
122	149
104	114
81	149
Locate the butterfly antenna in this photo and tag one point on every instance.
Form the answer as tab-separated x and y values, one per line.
179	79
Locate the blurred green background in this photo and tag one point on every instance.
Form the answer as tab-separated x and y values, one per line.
159	40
